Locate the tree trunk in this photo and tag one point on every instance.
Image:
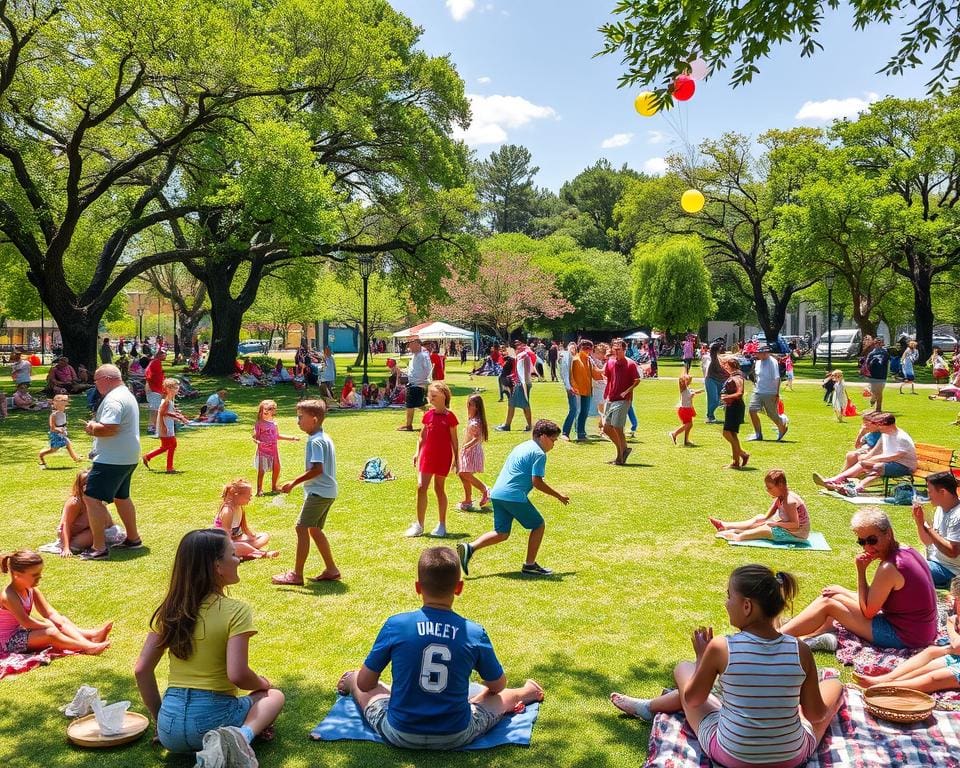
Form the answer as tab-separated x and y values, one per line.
187	326
923	315
79	336
226	317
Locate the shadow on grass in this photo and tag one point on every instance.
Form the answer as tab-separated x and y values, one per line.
315	588
520	576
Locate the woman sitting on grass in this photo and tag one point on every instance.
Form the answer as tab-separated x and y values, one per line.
774	710
791	524
897	610
935	669
207	637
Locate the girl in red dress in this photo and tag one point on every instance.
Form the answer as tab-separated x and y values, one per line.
437	452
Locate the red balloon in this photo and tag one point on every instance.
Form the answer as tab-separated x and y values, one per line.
684	87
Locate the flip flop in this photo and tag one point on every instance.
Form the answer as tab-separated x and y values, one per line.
288	579
324	577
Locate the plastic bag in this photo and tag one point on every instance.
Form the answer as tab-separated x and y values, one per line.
110	717
850	409
82	702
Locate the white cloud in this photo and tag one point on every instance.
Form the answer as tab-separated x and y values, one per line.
460	8
833	109
494	115
655	166
484	80
656	137
617	140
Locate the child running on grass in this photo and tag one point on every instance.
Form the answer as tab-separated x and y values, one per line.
732	399
791	524
471	455
433	651
266	436
774	710
935	669
319	481
167	414
58	430
839	396
523	471
436	451
20	632
685	411
232	518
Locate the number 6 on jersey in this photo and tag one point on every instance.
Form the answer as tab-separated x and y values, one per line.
433	673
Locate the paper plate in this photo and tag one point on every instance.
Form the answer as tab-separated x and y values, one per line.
900	705
84	731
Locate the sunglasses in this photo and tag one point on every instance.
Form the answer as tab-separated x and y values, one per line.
870	541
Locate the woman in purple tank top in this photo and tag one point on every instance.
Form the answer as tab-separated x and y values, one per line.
898	609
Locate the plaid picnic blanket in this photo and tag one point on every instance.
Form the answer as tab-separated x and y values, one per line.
15	663
868	659
855	740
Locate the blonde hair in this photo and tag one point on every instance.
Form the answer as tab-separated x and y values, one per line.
61	398
170	383
684	380
837	375
266	405
234	487
439	386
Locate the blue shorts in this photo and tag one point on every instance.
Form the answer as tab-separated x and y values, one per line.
188	713
57	440
782	534
505	512
109	481
519	398
884	635
953	664
942	576
896	469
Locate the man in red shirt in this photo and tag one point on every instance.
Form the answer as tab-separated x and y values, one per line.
154	377
437	361
622	376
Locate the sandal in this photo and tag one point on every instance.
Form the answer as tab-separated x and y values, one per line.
325	577
289	579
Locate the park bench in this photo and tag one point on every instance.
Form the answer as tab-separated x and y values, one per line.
930	459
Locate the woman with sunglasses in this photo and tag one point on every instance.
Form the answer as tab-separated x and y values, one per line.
898	609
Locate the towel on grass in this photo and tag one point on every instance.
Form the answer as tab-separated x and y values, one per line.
16	663
344	721
874	500
854	740
815	542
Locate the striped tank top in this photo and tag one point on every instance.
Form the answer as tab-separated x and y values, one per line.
760	717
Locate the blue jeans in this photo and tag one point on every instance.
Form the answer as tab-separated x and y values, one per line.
582	416
942	576
713	396
633	418
573	403
188	713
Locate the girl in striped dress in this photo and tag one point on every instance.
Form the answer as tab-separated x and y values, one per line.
471	455
774	711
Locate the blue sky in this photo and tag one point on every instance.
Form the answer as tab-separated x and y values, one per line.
529	71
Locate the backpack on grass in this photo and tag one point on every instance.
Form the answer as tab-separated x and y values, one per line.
375	471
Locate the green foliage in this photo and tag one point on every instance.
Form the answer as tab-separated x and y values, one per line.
594	193
505	185
671	287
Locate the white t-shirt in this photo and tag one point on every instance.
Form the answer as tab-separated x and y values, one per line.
119	407
768	376
947	524
419	370
895	443
214	403
21	371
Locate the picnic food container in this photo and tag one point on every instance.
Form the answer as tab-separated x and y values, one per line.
85	732
896	704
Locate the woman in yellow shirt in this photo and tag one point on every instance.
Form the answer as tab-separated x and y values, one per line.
207	635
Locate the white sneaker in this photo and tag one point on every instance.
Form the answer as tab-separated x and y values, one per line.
825	642
440	530
414	530
211	756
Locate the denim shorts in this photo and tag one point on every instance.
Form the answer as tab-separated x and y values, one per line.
896	469
188	713
481	721
884	635
953	664
942	576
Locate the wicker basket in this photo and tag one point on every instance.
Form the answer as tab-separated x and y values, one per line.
896	704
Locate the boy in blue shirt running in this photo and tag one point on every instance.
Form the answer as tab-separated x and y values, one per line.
433	652
523	471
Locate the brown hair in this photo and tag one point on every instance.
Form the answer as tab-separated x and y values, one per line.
79	483
438	571
193	580
886	419
776	477
444	390
771	591
19	561
945	481
266	405
545	427
481	414
317	408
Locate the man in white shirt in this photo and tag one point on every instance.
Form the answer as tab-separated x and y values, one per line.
942	537
418	377
766	394
894	455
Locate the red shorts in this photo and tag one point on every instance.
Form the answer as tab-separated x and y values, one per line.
686	414
940	374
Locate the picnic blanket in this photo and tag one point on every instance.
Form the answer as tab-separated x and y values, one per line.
874	500
344	721
854	740
869	659
16	663
815	542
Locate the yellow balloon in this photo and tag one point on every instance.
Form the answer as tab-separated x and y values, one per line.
692	201
646	104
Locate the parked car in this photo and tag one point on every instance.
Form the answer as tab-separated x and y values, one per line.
842	342
253	347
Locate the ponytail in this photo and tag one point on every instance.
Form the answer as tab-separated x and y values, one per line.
19	561
771	591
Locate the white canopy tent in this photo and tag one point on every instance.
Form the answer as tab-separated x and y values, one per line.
637	336
436	331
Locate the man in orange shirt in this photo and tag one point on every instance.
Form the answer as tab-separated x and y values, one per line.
582	374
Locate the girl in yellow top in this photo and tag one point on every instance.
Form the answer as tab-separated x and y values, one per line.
207	635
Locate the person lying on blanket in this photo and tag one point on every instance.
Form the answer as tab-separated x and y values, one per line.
894	456
936	668
774	711
897	610
786	522
433	652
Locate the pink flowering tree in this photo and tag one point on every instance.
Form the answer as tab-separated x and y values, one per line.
506	292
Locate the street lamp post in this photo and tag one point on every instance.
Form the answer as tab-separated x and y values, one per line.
366	269
829	281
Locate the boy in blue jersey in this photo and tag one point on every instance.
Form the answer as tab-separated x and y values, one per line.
523	471
433	652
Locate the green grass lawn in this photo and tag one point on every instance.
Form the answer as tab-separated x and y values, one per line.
636	567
